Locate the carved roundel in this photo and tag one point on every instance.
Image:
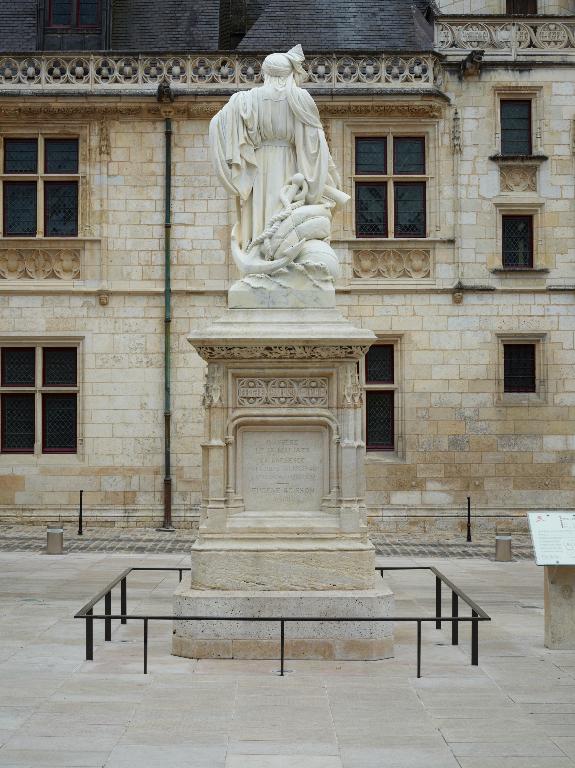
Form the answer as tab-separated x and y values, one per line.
38	265
283	391
12	265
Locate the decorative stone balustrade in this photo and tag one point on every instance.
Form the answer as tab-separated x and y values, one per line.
501	36
205	71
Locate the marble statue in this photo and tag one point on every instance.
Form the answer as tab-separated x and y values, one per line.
270	151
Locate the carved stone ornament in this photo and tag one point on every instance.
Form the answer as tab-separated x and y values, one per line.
518	178
39	264
213	386
392	264
282	391
352	391
282	352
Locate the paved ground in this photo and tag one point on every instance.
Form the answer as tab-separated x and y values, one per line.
148	540
516	710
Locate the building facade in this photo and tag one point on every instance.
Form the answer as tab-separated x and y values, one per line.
453	128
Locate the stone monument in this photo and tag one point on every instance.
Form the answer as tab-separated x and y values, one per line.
283	527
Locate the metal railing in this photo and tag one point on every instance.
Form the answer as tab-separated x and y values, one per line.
204	70
477	614
500	35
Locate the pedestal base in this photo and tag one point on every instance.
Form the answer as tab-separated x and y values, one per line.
560	607
346	640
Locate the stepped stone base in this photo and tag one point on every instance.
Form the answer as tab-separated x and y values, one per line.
349	640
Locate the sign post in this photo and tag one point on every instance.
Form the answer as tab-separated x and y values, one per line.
553	535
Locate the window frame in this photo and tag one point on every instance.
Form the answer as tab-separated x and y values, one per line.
520	13
505	217
3	396
519	390
393	452
39	389
74	6
40	178
537	397
390	178
527	100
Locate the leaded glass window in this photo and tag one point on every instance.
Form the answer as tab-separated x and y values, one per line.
59	366
61	13
516	127
371	156
379	364
409	209
20	217
371	209
61	155
380	397
59	423
409	155
380	420
61	208
18	427
88	13
20	155
18	366
23	394
389	205
519	368
517	240
48	204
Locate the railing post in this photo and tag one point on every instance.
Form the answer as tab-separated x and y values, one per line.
454	613
438	601
145	646
474	640
419	649
89	636
123	600
108	611
282	640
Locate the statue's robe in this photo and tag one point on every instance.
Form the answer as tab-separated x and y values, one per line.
259	140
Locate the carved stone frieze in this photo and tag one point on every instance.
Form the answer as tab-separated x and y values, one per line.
213	386
352	391
282	391
392	263
282	352
39	264
421	110
518	178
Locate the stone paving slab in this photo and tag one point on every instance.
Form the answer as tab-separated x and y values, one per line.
516	710
29	538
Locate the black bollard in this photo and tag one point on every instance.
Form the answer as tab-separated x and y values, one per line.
80	520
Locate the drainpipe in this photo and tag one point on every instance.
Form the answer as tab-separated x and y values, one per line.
167	523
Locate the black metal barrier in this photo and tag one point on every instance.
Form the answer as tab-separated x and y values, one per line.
477	613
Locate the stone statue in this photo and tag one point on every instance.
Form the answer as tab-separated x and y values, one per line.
269	151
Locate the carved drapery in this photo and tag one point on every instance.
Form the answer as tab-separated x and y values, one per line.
392	264
39	264
282	352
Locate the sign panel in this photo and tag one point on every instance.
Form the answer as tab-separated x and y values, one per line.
553	535
283	469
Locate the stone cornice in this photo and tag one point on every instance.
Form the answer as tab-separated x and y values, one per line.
102	110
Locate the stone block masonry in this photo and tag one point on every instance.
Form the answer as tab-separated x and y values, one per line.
457	434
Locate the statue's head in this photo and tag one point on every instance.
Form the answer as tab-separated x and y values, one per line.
283	65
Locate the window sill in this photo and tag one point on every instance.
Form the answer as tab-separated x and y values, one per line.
514	159
383	457
511	271
518	399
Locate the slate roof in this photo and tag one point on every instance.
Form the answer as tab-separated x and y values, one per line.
319	25
17	25
327	25
169	24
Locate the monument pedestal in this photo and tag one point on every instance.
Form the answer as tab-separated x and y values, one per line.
283	530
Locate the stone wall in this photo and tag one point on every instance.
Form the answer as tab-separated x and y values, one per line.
458	434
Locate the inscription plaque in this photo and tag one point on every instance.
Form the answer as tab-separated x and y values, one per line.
282	469
553	535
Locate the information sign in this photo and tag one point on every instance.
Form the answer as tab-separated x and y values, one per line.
553	535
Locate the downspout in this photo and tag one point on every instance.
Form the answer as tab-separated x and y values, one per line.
167	523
